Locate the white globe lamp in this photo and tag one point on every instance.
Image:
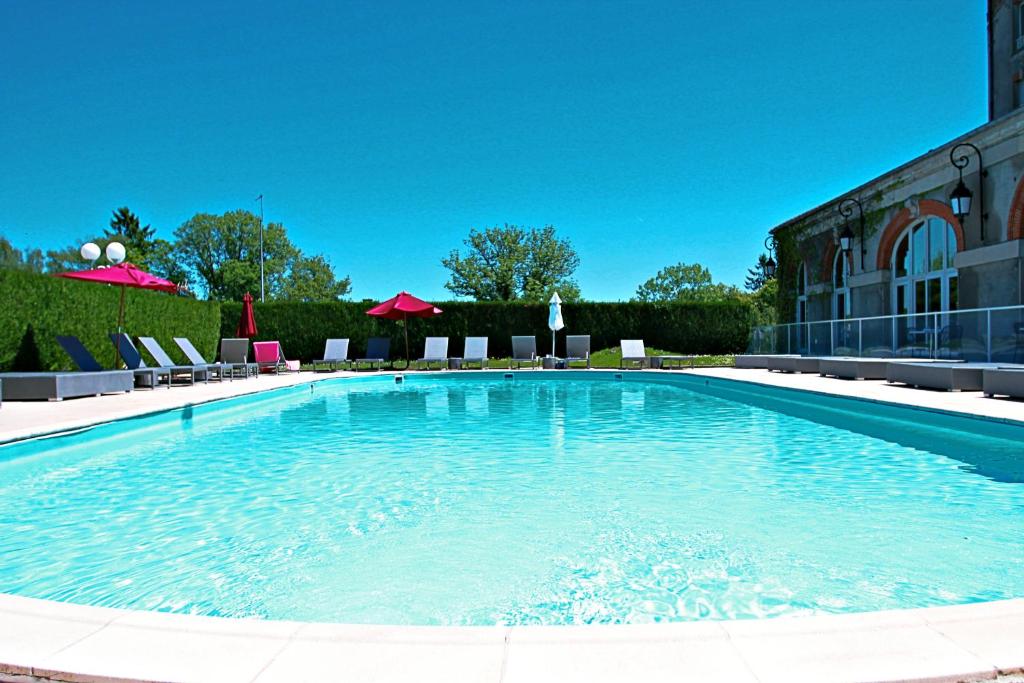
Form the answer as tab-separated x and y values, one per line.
115	252
90	251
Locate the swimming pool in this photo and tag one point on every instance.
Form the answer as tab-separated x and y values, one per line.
568	498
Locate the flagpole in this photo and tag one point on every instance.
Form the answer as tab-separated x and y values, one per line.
262	285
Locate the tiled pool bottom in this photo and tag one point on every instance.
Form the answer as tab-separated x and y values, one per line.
972	641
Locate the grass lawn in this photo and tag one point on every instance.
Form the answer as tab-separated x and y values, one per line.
610	358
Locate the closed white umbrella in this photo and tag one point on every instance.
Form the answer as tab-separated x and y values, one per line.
555	321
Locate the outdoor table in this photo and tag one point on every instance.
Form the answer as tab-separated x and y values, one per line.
552	363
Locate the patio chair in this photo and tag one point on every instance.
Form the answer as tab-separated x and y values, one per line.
154	349
435	350
577	348
270	356
378	352
524	350
80	355
145	375
335	353
633	352
475	352
234	351
196	358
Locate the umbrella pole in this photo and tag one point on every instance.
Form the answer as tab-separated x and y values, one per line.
120	324
553	354
408	358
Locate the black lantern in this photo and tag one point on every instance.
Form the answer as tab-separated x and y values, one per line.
846	237
770	265
961	199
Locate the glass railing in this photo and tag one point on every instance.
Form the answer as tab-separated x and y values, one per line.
980	334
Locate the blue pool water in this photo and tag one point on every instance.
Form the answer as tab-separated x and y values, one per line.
543	500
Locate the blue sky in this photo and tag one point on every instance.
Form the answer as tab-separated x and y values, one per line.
380	132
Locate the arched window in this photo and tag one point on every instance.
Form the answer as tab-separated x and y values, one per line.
840	286
924	279
801	294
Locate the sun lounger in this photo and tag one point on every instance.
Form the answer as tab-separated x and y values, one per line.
196	358
792	363
234	351
863	368
1003	381
577	349
524	350
759	361
947	376
270	356
435	350
154	349
666	362
475	352
56	386
378	352
633	351
145	375
335	354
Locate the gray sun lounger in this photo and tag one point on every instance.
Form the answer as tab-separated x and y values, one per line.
1003	381
435	350
760	361
145	375
378	352
792	363
947	376
475	351
335	354
577	349
863	368
91	380
633	352
203	372
196	358
524	350
234	351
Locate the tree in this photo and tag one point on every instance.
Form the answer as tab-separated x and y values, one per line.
513	263
222	253
17	259
684	282
758	275
311	278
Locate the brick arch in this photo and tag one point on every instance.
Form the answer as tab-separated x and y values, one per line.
829	261
1015	225
903	218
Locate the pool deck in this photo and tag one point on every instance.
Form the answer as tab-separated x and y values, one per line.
43	640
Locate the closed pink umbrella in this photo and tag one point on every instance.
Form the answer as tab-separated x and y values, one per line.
247	323
400	307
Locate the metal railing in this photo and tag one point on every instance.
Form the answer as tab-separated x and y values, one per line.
978	334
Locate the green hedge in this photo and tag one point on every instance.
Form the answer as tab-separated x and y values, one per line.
36	308
698	328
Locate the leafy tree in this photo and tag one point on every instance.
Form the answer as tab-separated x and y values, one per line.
758	275
513	263
764	300
684	282
17	259
223	254
311	278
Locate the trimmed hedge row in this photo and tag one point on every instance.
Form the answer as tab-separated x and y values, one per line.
36	308
697	328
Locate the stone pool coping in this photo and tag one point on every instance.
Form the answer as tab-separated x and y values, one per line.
45	640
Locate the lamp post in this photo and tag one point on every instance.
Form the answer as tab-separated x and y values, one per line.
960	199
115	253
846	236
770	265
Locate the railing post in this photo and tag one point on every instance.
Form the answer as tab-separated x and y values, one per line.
988	335
860	337
935	335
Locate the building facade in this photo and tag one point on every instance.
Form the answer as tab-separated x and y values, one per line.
911	253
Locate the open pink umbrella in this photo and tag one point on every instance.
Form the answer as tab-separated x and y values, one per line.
400	307
126	275
247	323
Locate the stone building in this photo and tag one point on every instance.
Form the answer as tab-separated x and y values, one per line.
907	250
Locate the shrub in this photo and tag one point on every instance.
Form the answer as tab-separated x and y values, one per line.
697	328
36	308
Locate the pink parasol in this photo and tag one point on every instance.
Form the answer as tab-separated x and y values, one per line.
400	307
125	275
247	323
